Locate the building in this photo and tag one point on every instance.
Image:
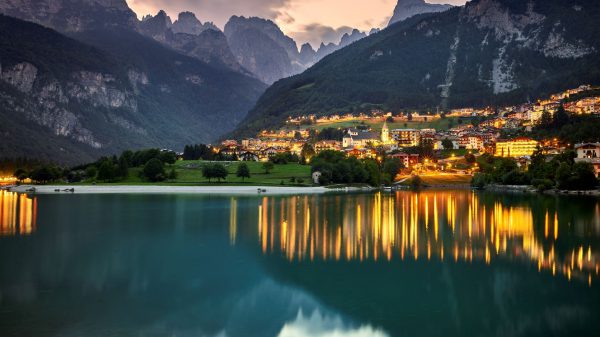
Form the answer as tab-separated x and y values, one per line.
518	147
385	134
328	145
406	137
408	160
589	153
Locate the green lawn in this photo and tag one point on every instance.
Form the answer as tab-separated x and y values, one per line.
438	124
190	173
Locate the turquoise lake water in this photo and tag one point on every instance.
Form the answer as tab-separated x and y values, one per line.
434	263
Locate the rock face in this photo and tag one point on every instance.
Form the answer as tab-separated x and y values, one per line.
489	52
188	23
72	16
118	91
408	8
190	37
262	48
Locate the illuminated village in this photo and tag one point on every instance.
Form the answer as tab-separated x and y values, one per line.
376	132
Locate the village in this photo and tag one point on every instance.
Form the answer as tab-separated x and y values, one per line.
459	132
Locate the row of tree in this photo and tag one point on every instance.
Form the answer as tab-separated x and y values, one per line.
561	172
107	169
336	168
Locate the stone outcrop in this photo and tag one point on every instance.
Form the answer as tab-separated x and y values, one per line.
409	8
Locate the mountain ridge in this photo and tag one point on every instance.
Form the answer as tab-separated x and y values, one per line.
487	52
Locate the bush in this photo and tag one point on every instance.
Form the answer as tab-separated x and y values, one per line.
154	170
91	172
243	171
268	167
515	177
416	183
480	180
215	171
542	184
107	171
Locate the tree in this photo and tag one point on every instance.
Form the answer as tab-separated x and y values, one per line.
123	167
44	174
390	119
220	172
374	173
168	157
545	121
208	172
172	174
561	117
470	158
447	144
416	183
21	174
268	167
409	117
154	170
91	172
308	152
297	135
243	171
107	171
392	167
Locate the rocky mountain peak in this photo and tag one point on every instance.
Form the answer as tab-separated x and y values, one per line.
409	8
72	16
354	36
188	23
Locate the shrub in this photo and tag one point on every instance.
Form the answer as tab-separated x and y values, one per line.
154	170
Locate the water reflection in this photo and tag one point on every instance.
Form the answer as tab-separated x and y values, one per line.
457	226
18	214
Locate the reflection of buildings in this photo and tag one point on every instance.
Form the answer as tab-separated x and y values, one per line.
427	225
17	214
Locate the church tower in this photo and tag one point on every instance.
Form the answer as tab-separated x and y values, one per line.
385	133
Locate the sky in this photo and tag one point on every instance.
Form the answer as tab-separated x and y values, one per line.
310	21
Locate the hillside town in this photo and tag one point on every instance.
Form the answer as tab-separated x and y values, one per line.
474	131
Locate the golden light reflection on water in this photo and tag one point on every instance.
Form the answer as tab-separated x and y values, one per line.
18	214
427	225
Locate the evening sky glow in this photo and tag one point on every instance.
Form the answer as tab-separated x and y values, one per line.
305	20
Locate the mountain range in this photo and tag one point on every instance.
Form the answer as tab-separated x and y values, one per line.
80	79
90	84
484	53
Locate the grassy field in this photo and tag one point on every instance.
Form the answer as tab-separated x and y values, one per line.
438	124
190	173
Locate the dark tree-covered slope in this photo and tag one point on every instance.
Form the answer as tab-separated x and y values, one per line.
486	52
69	101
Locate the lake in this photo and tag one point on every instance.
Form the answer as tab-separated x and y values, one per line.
434	263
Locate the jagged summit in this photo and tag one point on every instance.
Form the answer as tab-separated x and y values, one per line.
409	8
188	23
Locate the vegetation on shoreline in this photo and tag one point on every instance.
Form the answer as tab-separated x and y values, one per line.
544	173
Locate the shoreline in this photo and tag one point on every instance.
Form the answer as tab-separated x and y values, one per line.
531	190
157	189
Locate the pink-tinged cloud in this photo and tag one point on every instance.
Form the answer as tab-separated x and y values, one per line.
328	19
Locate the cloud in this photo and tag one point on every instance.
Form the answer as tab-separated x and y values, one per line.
315	33
318	325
